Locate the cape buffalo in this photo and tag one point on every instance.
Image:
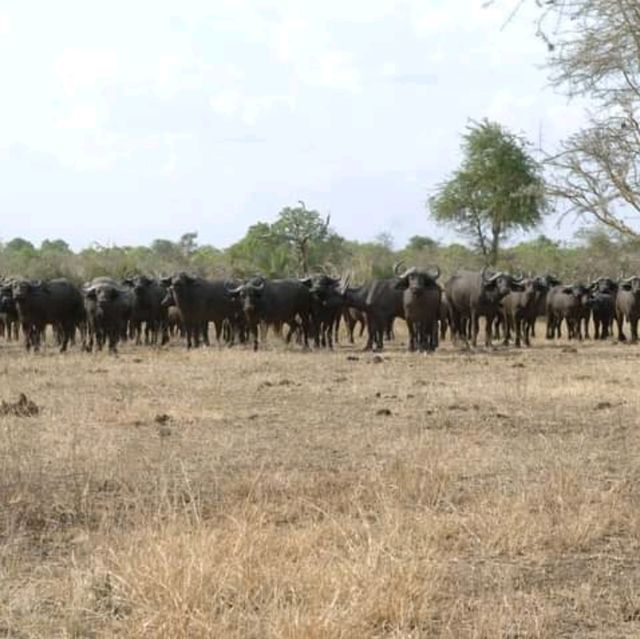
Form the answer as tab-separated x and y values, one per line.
381	301
421	302
471	295
602	302
108	307
519	309
326	306
200	301
275	302
147	308
57	302
566	303
628	306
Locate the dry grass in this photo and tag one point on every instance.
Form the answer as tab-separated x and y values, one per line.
225	494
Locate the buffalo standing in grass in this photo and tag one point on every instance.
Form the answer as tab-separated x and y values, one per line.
421	302
566	303
381	301
147	308
519	310
9	320
57	302
472	295
628	307
326	306
275	302
108	306
602	302
200	301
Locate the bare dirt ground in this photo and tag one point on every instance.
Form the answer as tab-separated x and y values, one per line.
222	493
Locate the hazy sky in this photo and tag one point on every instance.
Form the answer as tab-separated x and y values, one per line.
127	121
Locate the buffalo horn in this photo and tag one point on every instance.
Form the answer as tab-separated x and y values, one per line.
396	267
434	274
409	271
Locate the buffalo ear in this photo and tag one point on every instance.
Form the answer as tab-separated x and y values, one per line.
402	284
306	281
166	281
567	290
626	287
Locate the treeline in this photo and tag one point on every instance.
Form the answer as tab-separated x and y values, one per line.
282	249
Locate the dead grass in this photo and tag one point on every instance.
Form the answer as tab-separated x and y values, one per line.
225	494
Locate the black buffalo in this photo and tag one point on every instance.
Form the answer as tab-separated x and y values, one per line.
628	307
200	301
381	301
472	295
108	307
57	302
519	309
147	309
602	302
327	304
9	320
275	302
421	302
566	303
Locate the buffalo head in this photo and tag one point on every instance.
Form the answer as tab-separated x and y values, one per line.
416	280
631	284
249	293
499	284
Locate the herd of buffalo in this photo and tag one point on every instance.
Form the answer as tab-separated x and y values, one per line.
106	310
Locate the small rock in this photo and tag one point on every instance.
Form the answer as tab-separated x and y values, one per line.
385	412
603	405
163	418
352	358
377	359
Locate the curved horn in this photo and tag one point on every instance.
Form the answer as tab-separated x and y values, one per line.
409	271
256	287
437	274
396	267
232	291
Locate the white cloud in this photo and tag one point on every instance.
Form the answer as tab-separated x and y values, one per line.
83	117
79	69
248	108
5	24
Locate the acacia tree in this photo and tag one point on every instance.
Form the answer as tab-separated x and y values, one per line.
498	189
300	229
594	53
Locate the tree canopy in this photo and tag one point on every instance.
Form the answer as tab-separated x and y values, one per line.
497	189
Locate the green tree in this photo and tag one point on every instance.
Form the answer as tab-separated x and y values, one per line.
188	243
498	189
302	230
20	245
55	246
420	243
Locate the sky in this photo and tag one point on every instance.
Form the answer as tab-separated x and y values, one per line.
129	121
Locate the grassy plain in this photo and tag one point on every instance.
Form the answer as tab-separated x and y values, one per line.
221	493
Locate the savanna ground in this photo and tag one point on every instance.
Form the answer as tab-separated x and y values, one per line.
221	493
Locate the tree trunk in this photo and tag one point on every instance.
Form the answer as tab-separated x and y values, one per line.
495	245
